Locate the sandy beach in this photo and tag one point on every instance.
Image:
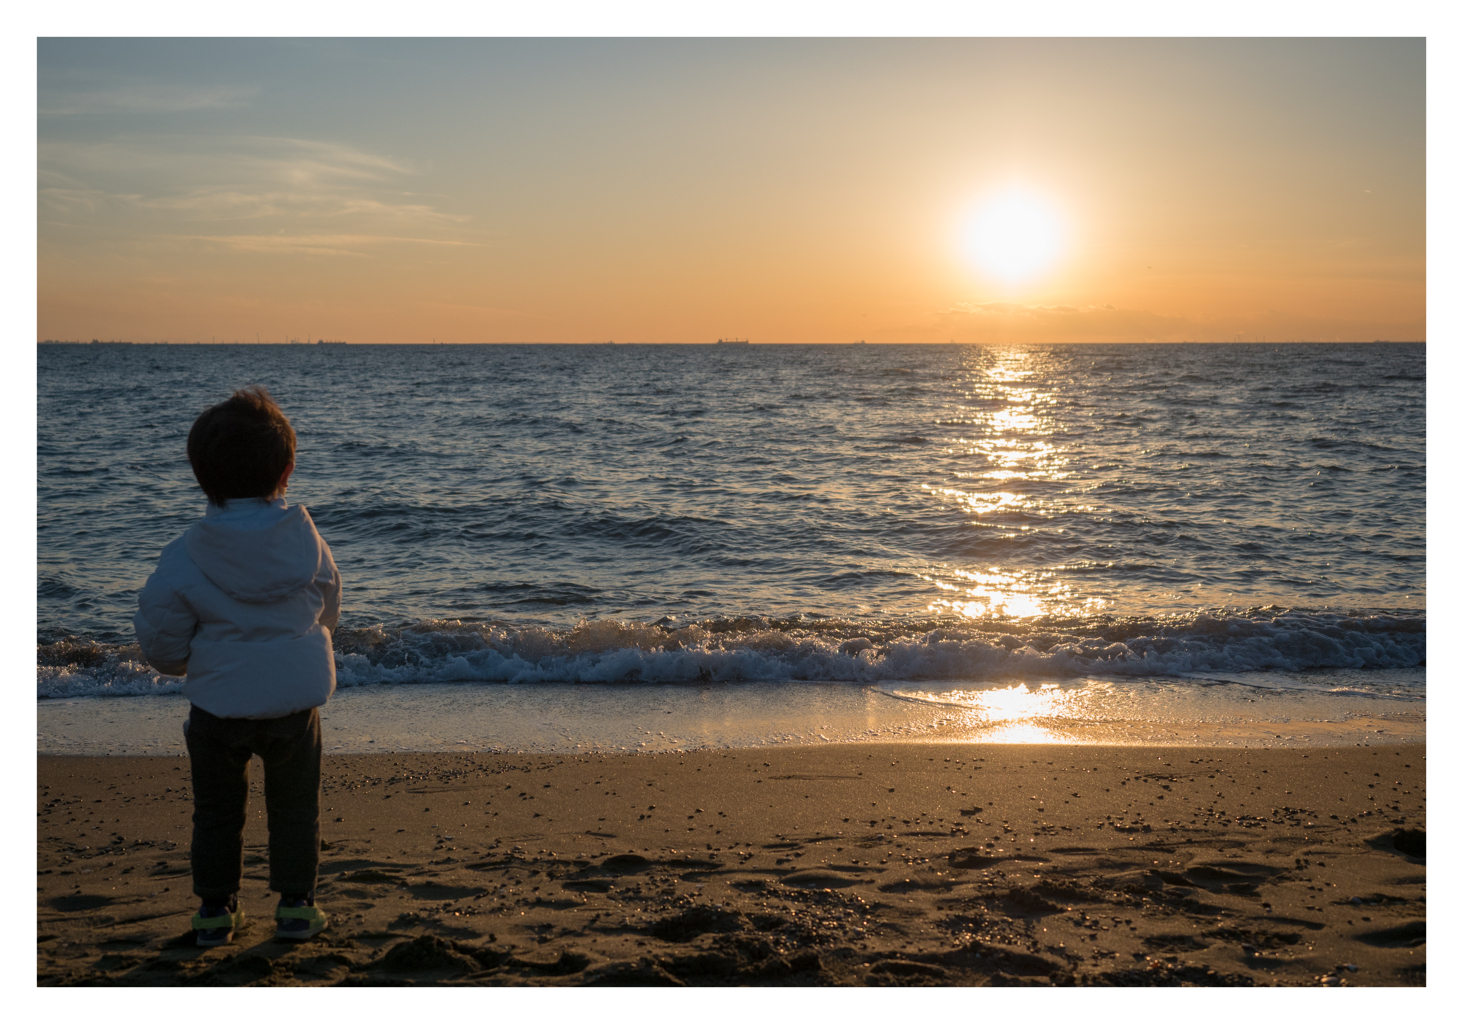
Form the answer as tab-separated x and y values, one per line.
857	864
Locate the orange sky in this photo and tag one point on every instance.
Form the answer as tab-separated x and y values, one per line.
681	191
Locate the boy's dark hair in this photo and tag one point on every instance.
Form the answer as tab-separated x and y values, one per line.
240	447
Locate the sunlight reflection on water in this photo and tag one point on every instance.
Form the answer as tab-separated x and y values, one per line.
1016	445
545	484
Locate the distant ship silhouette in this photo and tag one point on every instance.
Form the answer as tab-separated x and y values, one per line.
732	341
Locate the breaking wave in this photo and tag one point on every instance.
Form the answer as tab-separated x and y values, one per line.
752	649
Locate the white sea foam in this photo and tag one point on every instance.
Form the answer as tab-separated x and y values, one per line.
1268	646
108	679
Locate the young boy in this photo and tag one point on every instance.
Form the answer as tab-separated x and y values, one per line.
243	604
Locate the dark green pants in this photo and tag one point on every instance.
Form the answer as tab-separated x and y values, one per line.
220	749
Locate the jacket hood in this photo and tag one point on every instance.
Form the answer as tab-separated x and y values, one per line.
260	555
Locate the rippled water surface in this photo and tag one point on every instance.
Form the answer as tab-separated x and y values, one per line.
704	513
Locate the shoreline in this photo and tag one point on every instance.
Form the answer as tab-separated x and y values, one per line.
607	718
867	863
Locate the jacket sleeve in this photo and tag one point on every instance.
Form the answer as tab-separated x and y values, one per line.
328	579
165	626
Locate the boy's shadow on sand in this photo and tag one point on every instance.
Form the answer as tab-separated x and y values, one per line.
80	903
256	958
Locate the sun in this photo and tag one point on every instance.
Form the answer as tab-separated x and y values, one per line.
1014	235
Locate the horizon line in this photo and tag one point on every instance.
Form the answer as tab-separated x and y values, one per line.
706	344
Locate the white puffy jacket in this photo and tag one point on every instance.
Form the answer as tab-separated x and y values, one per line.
243	604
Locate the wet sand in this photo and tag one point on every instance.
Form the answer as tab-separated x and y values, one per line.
858	864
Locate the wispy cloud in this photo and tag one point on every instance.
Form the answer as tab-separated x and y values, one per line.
144	98
313	245
229	204
279	183
220	158
66	201
310	161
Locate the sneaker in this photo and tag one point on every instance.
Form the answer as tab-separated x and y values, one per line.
297	917
215	923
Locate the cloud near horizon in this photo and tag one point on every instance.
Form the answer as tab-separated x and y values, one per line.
1020	321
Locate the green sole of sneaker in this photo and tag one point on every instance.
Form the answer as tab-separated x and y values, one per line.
312	919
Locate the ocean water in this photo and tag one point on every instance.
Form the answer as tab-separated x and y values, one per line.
624	547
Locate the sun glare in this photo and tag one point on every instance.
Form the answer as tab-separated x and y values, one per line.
1014	235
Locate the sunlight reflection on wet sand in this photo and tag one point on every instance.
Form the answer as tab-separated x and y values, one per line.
580	718
1099	712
